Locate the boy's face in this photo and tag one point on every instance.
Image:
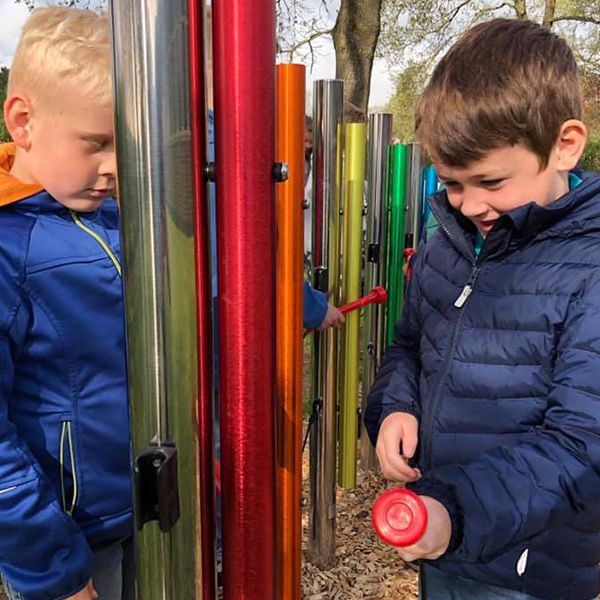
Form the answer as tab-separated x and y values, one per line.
501	181
71	151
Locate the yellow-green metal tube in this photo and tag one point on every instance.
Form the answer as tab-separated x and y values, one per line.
354	182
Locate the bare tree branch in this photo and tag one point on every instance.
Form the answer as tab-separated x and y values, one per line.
577	18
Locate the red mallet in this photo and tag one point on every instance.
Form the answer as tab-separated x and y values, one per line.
399	517
377	295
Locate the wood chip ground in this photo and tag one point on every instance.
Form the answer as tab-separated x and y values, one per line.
365	568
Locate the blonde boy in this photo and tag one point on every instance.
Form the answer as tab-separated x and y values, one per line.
65	507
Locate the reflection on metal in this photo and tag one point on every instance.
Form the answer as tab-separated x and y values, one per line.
289	345
153	134
244	69
379	137
396	236
354	186
203	296
327	133
414	210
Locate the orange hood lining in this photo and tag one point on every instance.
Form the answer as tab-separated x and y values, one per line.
11	189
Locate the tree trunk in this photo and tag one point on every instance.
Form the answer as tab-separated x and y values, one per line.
521	9
549	11
355	38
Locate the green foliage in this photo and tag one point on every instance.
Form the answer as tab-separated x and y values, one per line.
590	161
4	137
402	104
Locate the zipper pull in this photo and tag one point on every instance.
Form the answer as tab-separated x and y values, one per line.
466	292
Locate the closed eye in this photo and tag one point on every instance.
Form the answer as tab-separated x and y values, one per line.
492	184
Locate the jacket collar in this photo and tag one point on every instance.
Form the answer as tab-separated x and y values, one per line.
575	212
11	189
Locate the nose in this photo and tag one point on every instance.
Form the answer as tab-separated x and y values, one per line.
472	203
108	167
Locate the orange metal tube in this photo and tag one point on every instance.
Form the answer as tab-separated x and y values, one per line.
288	340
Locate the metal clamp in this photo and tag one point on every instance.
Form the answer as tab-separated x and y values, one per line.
281	172
210	171
156	486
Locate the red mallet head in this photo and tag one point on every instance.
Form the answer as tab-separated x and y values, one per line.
399	517
376	296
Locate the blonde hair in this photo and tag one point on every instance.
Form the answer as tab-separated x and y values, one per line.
63	45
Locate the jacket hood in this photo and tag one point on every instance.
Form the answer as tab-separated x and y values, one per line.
11	189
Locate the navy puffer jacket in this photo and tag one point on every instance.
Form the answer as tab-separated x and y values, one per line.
505	383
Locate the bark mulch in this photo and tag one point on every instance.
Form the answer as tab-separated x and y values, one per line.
365	568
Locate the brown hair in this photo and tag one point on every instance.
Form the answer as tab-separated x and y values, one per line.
504	82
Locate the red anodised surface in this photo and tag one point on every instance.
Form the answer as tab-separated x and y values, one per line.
244	61
203	304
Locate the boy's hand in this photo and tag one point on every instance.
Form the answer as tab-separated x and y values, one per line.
436	538
333	317
87	593
396	444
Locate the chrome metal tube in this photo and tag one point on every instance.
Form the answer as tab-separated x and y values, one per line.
373	339
414	214
153	132
327	161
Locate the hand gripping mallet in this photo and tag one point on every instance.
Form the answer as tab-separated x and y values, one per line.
399	517
377	295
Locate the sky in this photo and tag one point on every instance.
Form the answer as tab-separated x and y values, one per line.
13	15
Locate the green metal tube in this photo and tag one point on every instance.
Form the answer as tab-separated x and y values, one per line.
397	229
354	183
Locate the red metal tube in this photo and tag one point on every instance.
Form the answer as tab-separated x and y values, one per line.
244	60
203	303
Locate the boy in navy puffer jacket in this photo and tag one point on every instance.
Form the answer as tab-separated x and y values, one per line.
488	402
65	498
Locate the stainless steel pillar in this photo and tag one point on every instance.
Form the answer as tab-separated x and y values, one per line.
327	161
414	216
373	340
153	130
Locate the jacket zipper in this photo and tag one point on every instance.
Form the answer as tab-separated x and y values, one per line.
66	433
459	304
100	241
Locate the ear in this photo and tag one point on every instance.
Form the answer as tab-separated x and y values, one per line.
571	144
17	117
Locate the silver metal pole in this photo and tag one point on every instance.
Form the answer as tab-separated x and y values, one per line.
328	144
153	131
413	197
373	339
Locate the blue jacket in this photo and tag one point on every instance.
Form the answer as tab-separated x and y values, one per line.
314	307
64	425
506	386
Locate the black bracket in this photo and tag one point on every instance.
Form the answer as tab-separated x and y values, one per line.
210	171
320	279
156	486
373	253
281	172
